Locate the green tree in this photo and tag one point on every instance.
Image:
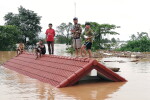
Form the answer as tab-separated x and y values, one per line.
113	40
141	35
133	37
8	35
64	30
27	21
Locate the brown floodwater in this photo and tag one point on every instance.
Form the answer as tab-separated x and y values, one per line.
15	86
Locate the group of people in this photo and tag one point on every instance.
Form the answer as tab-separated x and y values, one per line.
40	49
80	50
88	37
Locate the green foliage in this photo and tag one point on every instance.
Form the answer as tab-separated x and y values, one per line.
70	50
64	33
113	40
141	43
27	22
8	37
61	39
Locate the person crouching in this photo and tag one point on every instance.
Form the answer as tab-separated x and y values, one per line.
40	49
20	48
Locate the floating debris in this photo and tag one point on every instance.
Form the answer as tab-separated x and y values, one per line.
115	69
134	60
127	54
121	61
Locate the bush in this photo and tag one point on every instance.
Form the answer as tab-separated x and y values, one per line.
70	50
141	45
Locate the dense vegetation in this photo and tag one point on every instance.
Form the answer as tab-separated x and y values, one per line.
139	43
8	37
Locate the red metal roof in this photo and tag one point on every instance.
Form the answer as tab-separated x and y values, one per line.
59	71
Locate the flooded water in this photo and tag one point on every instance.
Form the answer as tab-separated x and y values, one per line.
15	86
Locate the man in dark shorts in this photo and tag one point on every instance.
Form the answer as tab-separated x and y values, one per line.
50	33
40	49
88	36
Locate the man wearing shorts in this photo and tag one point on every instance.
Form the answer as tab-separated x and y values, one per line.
50	33
88	35
76	33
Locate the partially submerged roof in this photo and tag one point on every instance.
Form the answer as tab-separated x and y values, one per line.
59	71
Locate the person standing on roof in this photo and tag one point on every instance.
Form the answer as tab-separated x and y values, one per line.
76	33
88	38
50	33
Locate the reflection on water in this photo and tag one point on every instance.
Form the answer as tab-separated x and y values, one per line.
138	76
5	55
19	87
91	91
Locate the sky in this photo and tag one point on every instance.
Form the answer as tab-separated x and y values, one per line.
132	15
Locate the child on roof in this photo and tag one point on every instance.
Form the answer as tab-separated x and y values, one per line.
20	48
40	49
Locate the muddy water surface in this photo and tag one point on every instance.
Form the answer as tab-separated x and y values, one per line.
15	86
